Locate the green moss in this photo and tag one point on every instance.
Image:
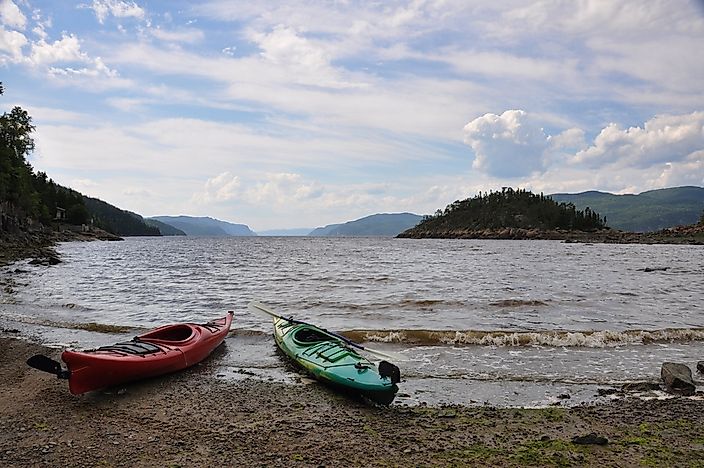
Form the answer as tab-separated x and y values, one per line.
41	426
476	453
636	441
296	457
546	453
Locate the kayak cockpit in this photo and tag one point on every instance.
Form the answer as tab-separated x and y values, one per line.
307	336
174	334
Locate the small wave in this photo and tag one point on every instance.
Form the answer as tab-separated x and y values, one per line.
557	338
517	303
420	303
87	326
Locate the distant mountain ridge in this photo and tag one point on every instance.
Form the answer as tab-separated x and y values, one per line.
164	229
382	224
204	226
645	212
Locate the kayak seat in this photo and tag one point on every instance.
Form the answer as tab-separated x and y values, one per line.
132	348
310	335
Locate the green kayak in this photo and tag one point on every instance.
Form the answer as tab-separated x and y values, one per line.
333	361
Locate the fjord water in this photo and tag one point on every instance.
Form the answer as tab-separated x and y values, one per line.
503	322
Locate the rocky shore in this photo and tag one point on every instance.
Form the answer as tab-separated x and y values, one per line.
38	245
195	418
693	235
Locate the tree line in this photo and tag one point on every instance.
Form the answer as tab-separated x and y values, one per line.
28	198
515	209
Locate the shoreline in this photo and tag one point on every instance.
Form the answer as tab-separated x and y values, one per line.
196	418
40	245
680	235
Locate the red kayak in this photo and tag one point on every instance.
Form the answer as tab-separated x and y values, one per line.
161	351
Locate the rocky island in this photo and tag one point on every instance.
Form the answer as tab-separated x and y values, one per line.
520	214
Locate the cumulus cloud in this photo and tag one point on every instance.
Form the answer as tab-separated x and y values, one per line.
280	188
11	43
663	139
117	8
690	171
66	49
269	189
305	60
11	15
64	57
508	145
223	187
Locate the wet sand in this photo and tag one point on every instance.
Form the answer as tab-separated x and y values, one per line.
193	418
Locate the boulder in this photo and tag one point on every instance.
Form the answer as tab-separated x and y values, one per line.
677	378
700	367
590	439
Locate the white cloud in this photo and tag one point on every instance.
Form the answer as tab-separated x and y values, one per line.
572	138
11	44
189	35
64	57
117	8
689	171
11	15
302	60
662	139
44	115
506	145
221	188
66	49
84	185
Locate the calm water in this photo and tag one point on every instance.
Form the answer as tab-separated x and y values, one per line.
505	322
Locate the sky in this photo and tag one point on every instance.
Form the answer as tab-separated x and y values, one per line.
292	114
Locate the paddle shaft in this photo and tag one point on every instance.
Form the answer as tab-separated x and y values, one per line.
267	311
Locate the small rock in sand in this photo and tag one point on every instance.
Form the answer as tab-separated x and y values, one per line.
590	439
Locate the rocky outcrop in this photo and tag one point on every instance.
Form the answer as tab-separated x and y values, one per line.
38	244
677	378
680	235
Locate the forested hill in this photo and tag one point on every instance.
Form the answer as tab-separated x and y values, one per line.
30	200
644	212
383	224
508	208
117	221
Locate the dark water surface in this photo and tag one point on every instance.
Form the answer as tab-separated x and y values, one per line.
504	322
